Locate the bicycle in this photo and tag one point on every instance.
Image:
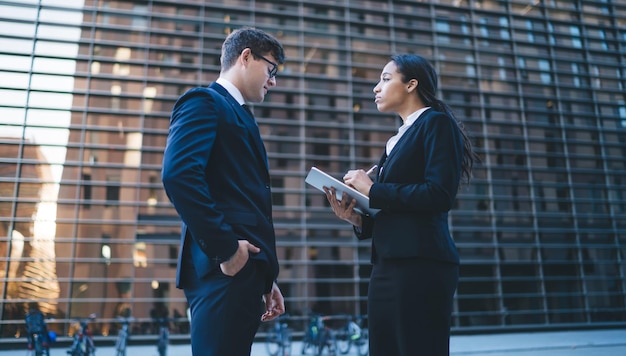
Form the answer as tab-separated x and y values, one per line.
353	333
278	340
122	337
37	334
82	344
164	335
319	336
38	347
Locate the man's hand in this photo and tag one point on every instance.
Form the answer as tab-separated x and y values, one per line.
274	304
239	259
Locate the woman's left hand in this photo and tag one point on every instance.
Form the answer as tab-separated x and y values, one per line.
344	208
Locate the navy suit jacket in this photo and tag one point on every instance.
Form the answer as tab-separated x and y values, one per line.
415	188
215	173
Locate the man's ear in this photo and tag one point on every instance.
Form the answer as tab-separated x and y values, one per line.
245	56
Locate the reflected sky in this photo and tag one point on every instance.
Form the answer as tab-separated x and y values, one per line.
38	49
36	60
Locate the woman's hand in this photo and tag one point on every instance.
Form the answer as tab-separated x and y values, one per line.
344	208
359	180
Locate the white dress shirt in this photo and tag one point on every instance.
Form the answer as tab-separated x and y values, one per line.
231	89
391	143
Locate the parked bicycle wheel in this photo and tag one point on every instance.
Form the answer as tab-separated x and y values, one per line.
164	339
82	344
312	335
278	341
308	344
122	336
362	343
38	342
39	349
120	343
82	348
286	337
344	342
353	334
328	342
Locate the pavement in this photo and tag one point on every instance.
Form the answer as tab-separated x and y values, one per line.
610	342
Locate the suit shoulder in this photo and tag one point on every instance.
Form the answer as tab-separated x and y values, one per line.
200	93
433	119
432	114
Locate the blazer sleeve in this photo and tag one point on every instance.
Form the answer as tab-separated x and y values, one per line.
366	229
193	130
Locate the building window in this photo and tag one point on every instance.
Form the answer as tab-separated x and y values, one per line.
521	63
86	181
530	34
544	67
504	28
112	191
139	19
576	41
576	71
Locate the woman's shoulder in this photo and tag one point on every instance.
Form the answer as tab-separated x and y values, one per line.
432	114
432	118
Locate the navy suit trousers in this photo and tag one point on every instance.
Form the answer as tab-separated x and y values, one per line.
225	311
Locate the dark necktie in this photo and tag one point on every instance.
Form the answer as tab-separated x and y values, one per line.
262	147
245	106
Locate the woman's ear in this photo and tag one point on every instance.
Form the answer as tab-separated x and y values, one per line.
411	85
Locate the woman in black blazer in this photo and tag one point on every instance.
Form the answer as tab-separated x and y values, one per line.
416	264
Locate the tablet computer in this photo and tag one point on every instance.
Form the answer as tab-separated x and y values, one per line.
320	179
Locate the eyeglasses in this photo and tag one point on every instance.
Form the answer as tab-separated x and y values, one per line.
274	69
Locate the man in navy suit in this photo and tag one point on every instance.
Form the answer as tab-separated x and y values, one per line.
215	172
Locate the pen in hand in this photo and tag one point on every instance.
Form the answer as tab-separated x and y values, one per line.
371	170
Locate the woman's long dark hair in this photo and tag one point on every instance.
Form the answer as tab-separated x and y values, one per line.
412	66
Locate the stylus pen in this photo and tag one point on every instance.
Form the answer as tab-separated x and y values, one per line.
371	170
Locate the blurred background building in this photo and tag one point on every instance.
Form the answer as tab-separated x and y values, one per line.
86	89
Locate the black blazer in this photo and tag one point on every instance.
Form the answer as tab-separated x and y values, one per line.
415	188
216	174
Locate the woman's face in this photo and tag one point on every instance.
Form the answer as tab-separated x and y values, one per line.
391	93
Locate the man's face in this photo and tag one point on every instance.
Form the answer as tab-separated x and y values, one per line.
259	77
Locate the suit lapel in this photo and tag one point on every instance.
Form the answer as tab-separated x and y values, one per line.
252	125
247	120
381	167
399	145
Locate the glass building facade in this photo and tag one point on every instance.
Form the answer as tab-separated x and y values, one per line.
86	89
